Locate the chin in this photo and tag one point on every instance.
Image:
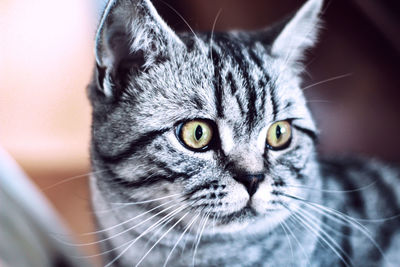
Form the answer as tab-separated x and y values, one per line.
249	220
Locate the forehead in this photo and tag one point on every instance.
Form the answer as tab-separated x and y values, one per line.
225	78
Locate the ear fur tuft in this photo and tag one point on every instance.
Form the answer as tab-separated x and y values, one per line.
299	34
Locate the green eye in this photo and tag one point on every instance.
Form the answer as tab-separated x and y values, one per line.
279	135
196	134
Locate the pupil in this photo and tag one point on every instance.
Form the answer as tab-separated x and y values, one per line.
278	132
199	132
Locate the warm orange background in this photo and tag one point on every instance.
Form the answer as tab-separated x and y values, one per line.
46	57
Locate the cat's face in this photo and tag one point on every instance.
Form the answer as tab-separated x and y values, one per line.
212	123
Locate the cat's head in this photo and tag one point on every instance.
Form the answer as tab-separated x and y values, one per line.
216	122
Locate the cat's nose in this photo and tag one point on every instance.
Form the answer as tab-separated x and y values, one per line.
250	181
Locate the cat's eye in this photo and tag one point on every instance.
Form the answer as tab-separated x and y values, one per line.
279	135
196	134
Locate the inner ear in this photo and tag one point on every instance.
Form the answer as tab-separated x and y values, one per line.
124	63
131	38
128	66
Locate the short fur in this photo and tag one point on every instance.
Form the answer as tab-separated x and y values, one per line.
159	203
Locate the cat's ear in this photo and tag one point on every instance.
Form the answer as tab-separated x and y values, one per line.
299	33
131	36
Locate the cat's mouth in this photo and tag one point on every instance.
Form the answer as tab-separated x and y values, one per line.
244	214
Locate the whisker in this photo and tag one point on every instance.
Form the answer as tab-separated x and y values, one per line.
69	179
214	222
184	243
155	244
298	242
198	230
380	220
319	101
327	226
120	233
327	80
145	201
155	234
333	191
332	213
127	204
129	220
144	233
181	17
198	240
212	32
180	238
332	244
164	224
130	242
287	237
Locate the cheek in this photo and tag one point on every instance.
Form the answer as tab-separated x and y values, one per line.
301	153
132	170
138	168
236	197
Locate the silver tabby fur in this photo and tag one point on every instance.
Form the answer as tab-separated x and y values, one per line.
159	203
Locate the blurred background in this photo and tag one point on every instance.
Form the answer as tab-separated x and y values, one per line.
46	58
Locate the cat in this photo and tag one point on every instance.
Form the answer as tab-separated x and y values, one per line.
204	152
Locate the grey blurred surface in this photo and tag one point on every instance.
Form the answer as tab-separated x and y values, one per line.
28	224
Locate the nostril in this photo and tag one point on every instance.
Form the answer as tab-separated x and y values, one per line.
259	177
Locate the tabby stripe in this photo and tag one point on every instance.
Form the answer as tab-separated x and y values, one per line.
263	97
234	89
356	199
145	180
163	166
387	191
274	101
198	102
234	50
259	62
217	81
207	186
244	66
240	105
232	83
294	170
135	145
252	106
264	80
308	132
387	195
267	163
346	244
149	179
